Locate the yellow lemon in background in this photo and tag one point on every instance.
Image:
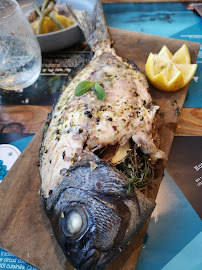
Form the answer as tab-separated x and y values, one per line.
169	72
49	25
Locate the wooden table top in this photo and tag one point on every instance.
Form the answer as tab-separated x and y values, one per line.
29	118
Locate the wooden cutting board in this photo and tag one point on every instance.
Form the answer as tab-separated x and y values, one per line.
25	230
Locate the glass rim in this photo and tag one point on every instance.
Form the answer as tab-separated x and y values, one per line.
14	5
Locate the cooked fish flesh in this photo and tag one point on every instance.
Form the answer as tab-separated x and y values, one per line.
85	198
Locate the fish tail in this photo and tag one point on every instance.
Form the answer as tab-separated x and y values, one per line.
93	25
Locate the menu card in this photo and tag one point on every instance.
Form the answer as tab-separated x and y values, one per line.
174	236
185	167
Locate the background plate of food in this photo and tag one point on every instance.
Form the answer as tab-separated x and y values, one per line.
57	30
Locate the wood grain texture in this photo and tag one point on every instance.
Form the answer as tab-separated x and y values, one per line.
20	223
25	229
22	118
190	122
17	119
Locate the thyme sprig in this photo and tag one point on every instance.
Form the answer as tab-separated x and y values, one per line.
139	169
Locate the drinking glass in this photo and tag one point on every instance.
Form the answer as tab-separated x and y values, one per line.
20	54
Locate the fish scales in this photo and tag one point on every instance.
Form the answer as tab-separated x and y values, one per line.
92	216
110	216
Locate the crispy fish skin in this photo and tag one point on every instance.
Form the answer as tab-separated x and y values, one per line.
110	217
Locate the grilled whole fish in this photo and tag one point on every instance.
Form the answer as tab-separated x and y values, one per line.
85	198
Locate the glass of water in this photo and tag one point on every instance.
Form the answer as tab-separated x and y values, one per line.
20	54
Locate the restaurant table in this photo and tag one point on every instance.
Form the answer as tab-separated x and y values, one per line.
22	113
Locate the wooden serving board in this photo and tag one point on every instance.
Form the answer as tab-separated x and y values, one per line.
25	230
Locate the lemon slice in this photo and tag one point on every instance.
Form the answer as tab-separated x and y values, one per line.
182	56
169	72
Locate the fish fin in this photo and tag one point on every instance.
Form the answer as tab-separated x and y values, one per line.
93	25
146	205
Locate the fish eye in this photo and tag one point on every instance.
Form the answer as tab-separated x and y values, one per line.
74	223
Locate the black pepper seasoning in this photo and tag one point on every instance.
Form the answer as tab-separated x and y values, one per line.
88	114
80	130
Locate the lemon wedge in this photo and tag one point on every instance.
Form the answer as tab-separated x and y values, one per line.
187	71
165	52
50	26
182	56
169	72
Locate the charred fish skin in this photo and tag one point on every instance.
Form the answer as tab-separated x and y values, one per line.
92	216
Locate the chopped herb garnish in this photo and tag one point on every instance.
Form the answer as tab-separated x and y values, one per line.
161	114
178	111
154	102
43	150
45	127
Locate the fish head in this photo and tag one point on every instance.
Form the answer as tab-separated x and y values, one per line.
92	216
88	227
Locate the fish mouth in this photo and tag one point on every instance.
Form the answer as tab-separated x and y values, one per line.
91	260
